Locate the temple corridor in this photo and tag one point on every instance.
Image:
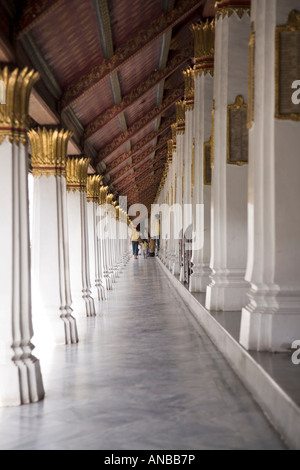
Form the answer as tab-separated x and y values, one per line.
144	375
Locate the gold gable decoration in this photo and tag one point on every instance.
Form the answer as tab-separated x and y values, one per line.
77	169
189	88
93	187
16	88
204	47
48	151
228	7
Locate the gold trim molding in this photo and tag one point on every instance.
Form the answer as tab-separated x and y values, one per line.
17	86
76	170
228	7
48	151
292	27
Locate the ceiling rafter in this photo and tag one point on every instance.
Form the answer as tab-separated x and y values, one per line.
141	175
177	61
141	123
134	45
153	166
146	153
141	143
106	39
138	159
34	12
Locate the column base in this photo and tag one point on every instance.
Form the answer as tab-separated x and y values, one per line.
200	279
226	297
181	274
271	322
176	268
52	326
21	382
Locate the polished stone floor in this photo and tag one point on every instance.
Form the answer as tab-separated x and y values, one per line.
143	376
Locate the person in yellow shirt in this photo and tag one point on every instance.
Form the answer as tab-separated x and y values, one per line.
145	248
135	238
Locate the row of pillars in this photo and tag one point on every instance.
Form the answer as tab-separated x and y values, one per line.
234	153
77	248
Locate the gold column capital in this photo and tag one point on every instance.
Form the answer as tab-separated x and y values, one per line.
93	187
76	169
16	87
204	47
103	194
228	7
180	117
189	88
170	151
48	151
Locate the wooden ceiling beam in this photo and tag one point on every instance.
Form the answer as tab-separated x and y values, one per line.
141	123
34	12
141	39
138	147
140	176
138	159
163	141
177	61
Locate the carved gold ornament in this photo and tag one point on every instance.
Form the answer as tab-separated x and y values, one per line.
204	47
93	187
189	88
16	87
48	151
103	194
180	117
228	7
76	169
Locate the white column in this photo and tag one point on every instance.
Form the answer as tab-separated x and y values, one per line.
52	300
271	320
20	375
78	236
93	190
228	288
203	98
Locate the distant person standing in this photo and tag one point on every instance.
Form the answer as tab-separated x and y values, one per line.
151	248
135	238
145	248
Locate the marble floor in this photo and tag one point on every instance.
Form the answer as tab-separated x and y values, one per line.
143	377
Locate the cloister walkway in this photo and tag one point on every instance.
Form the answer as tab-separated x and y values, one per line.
143	376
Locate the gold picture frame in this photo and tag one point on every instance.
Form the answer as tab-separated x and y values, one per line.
237	132
287	67
207	168
251	77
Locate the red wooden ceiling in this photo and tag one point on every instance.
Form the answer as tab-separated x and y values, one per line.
116	68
